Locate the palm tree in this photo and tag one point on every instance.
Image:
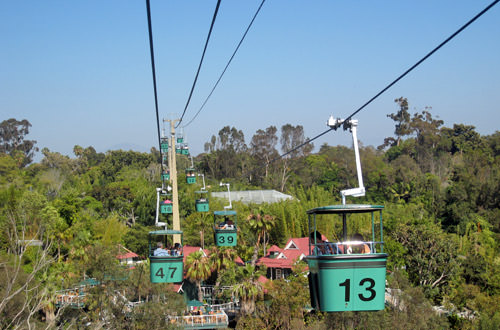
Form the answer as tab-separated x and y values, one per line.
198	270
249	288
220	260
260	223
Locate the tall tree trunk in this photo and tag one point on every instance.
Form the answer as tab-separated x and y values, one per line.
255	251
264	243
200	293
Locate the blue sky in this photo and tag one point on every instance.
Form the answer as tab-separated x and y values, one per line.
80	71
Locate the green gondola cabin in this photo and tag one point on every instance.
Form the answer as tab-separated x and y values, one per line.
225	232
166	207
347	275
166	258
201	204
190	176
164	145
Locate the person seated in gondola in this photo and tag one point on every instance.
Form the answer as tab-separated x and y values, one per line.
358	245
176	250
160	251
323	247
227	224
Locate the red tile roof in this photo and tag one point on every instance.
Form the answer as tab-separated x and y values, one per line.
302	243
274	248
239	261
187	250
295	249
127	255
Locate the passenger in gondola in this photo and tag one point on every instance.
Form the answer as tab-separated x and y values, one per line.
176	249
358	245
323	247
160	251
227	224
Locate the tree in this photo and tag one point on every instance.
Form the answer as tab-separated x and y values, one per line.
198	270
263	146
402	119
27	246
221	258
227	153
12	142
427	133
261	224
291	138
431	259
248	288
286	300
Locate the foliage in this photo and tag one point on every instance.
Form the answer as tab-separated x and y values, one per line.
198	270
13	143
440	187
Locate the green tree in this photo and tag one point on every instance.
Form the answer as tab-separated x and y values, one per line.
260	223
198	270
263	147
248	288
220	259
431	259
402	119
291	138
12	141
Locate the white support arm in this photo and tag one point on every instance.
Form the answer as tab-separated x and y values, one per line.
352	124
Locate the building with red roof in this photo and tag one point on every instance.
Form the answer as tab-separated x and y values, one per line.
279	262
127	257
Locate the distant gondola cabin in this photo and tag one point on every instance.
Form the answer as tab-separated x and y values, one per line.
190	176
202	204
164	145
166	207
225	228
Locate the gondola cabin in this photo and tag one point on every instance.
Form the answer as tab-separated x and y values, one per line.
165	176
185	150
225	229
348	275
164	145
190	176
178	150
180	139
166	207
201	203
166	258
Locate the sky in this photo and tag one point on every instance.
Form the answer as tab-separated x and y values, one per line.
80	72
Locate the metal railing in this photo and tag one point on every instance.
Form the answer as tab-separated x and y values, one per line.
214	320
348	247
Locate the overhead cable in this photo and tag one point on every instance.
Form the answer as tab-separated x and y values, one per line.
424	58
228	63
201	61
151	50
396	80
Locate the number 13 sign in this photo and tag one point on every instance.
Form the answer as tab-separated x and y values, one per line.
351	286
